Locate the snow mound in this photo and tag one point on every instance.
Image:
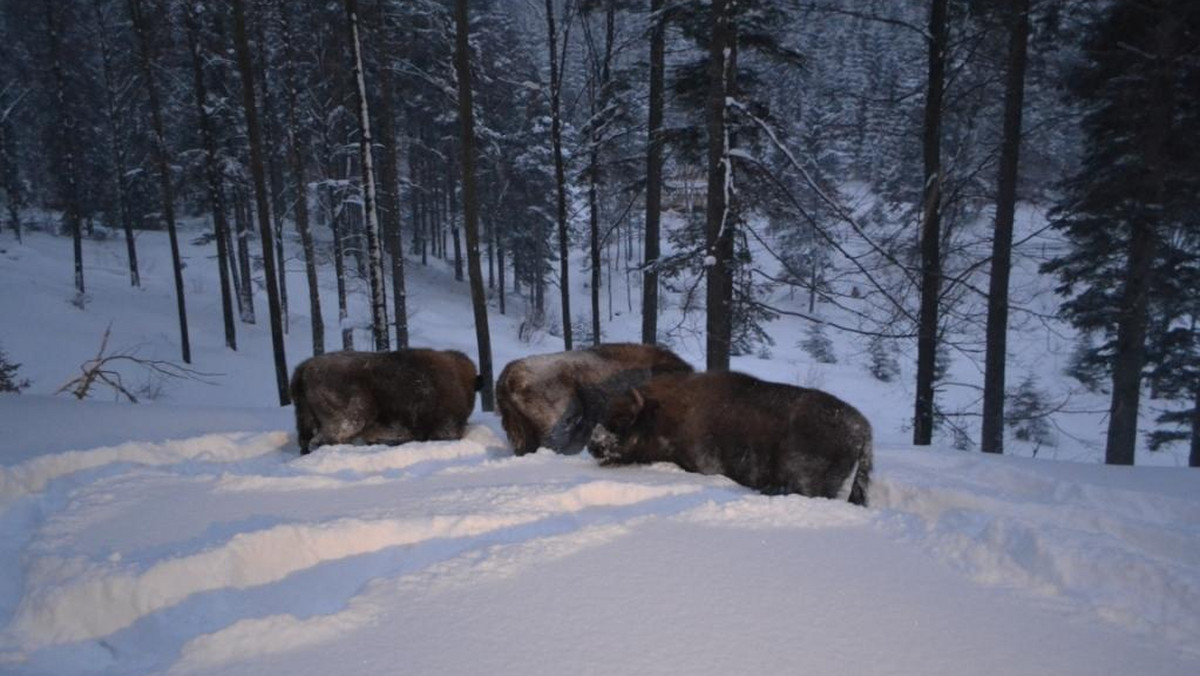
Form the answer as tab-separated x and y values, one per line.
1131	555
33	475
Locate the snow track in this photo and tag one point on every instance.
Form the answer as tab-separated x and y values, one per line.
229	553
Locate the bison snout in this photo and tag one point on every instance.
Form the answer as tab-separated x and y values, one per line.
603	443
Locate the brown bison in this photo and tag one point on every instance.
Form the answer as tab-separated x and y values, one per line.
554	400
772	437
383	397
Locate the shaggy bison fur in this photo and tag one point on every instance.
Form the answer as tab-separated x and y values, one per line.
772	437
554	400
383	397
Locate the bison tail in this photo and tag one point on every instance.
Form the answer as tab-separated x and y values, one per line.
862	474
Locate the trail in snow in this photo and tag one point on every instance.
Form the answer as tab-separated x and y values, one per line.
229	552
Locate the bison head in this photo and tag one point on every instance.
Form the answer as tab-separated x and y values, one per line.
624	427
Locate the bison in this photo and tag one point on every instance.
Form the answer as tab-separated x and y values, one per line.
383	397
554	400
772	437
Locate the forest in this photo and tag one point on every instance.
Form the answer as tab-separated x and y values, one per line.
872	160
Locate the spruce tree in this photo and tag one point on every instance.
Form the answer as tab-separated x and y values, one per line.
1135	193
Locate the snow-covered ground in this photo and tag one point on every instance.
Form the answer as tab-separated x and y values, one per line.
186	534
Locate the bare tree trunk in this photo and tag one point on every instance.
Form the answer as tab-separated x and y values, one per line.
66	138
163	159
654	167
389	197
719	225
116	146
274	171
242	222
560	181
453	218
931	258
371	215
500	268
10	176
230	251
1006	202
1194	456
258	172
339	266
462	67
300	183
212	173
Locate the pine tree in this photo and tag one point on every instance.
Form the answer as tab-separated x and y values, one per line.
1135	189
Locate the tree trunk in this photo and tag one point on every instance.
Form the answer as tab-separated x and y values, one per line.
1194	456
560	181
212	172
931	261
163	159
500	268
274	171
66	139
719	223
246	290
339	267
1006	202
10	176
453	218
300	183
389	195
654	168
258	172
231	263
371	215
462	67
116	146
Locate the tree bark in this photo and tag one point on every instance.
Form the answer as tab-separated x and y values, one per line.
453	218
931	260
654	168
300	183
116	146
10	176
246	289
212	173
462	67
339	267
560	181
371	214
258	172
389	194
1006	202
163	159
274	171
65	134
719	222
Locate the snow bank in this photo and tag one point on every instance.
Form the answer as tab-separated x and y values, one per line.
1129	554
33	475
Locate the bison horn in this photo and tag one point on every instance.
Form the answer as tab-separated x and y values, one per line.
638	401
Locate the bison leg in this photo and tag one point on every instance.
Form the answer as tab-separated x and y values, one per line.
306	426
447	430
387	435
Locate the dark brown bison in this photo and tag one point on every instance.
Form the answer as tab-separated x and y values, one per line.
772	437
554	400
383	397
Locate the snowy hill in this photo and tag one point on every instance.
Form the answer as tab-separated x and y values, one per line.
185	535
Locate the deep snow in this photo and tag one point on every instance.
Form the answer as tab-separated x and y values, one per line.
186	535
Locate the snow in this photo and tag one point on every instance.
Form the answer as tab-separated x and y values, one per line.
188	536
